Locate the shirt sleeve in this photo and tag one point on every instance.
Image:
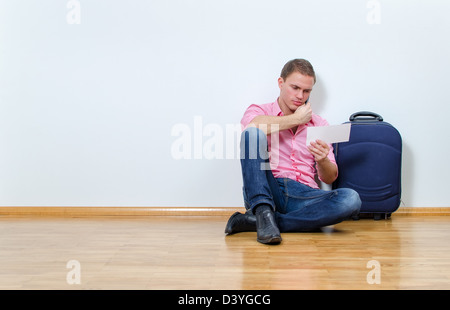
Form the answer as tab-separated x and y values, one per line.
249	114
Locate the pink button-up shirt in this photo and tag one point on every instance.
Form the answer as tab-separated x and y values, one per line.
288	153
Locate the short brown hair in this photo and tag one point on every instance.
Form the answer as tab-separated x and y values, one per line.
298	65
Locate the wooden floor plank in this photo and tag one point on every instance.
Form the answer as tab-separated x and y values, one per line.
190	252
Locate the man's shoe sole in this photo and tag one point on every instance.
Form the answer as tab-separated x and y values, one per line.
228	228
272	240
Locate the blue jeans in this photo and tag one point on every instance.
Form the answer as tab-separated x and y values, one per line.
297	207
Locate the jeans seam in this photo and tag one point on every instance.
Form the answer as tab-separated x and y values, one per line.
286	196
307	197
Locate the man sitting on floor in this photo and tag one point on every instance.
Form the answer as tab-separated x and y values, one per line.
279	169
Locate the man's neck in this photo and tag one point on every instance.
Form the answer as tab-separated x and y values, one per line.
286	111
283	107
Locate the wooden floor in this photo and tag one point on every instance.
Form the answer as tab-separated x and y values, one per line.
188	252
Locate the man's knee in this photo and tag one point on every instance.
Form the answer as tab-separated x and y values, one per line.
253	143
253	134
352	200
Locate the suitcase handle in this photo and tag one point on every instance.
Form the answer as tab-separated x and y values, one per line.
372	116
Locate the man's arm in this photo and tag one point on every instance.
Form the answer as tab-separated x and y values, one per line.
270	124
326	170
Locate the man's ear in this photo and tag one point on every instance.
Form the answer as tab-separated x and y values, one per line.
280	82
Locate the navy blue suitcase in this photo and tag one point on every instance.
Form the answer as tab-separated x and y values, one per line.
370	163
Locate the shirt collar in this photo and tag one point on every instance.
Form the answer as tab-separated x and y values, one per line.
276	109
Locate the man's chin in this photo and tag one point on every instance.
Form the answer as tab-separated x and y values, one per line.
294	108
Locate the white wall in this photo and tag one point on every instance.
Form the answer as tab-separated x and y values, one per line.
89	112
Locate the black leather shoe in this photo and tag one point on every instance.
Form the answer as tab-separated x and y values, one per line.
266	228
239	222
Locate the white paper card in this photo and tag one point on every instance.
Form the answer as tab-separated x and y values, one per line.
329	134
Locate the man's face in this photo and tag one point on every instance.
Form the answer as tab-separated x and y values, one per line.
294	91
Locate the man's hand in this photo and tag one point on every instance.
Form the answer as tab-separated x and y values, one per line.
319	149
303	113
301	116
325	168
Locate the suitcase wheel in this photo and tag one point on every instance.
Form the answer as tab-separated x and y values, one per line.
379	216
